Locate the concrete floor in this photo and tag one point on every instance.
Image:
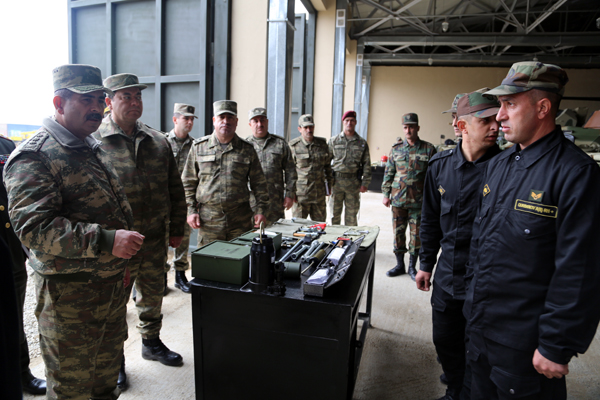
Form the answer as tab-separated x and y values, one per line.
399	360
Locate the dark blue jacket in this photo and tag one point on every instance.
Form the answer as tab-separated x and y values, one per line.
536	280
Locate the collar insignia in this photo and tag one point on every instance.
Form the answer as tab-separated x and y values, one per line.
441	190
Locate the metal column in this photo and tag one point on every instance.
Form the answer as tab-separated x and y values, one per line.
279	64
364	104
309	81
358	86
339	63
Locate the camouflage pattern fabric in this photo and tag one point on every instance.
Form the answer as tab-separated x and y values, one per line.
527	75
280	171
405	172
348	154
66	203
313	165
317	211
83	356
216	186
401	218
147	168
181	149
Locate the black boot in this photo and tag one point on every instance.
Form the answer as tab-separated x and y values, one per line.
166	287
155	350
399	268
31	384
181	282
412	264
451	394
122	379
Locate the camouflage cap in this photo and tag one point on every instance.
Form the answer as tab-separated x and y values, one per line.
477	105
224	107
527	75
454	102
78	78
255	112
123	81
410	119
184	109
306	120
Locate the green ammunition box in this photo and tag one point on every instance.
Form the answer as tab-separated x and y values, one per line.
241	242
222	262
248	236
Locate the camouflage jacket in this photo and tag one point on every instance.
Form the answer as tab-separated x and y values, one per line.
349	155
278	166
152	182
181	149
220	178
313	164
405	172
66	204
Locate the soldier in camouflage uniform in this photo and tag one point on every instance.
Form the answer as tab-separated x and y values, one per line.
181	143
351	171
451	143
313	165
402	187
217	173
277	164
69	207
144	161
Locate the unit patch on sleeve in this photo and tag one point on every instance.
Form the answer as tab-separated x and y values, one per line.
486	190
536	208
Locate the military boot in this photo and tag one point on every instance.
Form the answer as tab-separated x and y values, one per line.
31	384
181	282
155	350
399	268
122	379
412	264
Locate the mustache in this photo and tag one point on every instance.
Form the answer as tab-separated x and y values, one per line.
94	117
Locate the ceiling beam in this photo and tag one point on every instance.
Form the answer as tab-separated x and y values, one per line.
477	59
585	40
545	15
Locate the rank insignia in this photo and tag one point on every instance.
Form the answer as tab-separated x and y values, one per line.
536	195
486	190
441	190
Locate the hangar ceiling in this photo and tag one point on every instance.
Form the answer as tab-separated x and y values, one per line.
477	32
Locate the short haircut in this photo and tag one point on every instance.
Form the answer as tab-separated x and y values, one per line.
536	95
64	93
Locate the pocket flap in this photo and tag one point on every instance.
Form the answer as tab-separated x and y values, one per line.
514	385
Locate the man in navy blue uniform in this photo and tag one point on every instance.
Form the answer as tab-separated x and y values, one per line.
533	301
450	199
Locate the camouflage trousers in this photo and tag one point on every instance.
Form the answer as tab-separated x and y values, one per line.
180	257
274	210
216	225
346	191
82	329
147	270
317	211
401	217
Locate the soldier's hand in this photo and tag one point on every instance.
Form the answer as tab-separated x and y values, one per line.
194	221
258	218
175	241
386	202
548	368
127	243
423	280
363	189
288	203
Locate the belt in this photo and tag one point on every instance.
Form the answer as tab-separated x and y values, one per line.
344	174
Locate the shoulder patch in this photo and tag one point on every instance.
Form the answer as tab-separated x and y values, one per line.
200	140
34	143
294	141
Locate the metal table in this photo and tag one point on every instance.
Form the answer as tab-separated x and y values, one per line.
252	346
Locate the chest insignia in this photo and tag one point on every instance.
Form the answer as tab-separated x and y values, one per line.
486	190
441	190
3	158
536	208
536	195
